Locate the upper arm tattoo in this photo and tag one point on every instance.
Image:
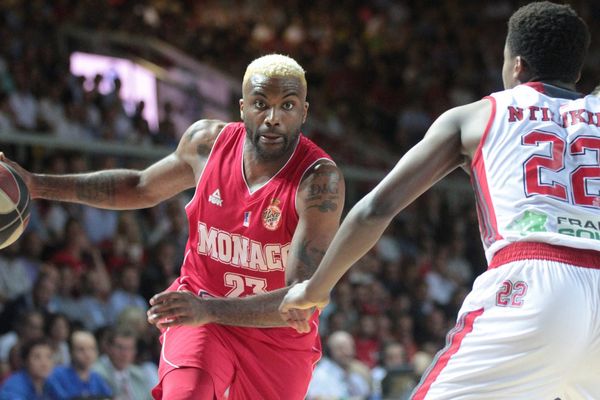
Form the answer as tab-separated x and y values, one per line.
324	191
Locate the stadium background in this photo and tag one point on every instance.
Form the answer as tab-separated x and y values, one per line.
379	73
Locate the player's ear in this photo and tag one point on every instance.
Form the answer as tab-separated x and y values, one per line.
520	69
305	113
242	109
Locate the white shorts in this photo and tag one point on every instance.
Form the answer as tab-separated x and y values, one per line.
529	330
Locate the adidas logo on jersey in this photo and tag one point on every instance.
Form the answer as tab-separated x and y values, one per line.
215	198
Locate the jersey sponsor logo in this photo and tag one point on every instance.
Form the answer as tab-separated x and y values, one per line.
246	222
529	222
215	198
272	215
581	228
240	251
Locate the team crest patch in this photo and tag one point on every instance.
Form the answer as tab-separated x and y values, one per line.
272	215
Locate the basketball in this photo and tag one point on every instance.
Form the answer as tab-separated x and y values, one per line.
14	205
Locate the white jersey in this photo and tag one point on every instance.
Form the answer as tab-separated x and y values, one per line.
536	173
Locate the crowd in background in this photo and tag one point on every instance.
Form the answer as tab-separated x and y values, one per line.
74	288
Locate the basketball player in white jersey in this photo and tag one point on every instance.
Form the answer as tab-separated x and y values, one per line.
530	329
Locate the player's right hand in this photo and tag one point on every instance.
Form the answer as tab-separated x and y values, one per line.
26	175
294	305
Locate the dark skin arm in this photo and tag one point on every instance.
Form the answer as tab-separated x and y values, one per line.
320	204
125	189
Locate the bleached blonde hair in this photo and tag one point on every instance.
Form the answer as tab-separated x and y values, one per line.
275	65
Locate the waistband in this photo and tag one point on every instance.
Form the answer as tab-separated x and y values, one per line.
543	251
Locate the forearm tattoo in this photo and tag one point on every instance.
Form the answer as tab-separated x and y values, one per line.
309	256
97	188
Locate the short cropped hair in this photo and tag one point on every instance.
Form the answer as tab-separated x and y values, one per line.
275	65
551	38
28	347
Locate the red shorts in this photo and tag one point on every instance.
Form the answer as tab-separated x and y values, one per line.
250	368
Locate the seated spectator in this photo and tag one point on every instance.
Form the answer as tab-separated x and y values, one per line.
394	378
340	375
95	307
28	326
367	340
127	294
30	382
127	380
162	270
40	298
78	381
14	277
58	330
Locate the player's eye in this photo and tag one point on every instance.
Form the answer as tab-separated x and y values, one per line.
288	106
260	104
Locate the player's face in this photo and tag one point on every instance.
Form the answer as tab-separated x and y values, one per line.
273	110
508	70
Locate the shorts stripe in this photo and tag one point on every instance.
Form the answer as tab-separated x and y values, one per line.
518	251
162	351
453	342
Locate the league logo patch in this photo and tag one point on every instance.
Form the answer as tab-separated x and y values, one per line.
272	215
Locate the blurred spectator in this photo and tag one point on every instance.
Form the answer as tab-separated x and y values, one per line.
78	381
340	375
394	377
440	286
367	340
57	330
127	380
99	224
68	299
27	327
15	279
7	115
22	101
76	251
95	306
167	131
40	298
162	270
30	382
31	248
127	294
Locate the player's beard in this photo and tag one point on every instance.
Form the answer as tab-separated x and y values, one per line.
270	154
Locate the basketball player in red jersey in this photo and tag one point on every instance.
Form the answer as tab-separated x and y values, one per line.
530	328
267	203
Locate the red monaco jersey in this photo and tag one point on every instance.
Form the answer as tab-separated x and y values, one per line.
239	239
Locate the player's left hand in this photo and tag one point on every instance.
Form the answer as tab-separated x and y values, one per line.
177	308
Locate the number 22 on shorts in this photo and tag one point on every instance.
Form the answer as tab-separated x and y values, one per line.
511	294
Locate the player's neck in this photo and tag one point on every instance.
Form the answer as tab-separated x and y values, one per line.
258	171
557	83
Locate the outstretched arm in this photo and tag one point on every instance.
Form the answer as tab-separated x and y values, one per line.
130	189
443	148
320	203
